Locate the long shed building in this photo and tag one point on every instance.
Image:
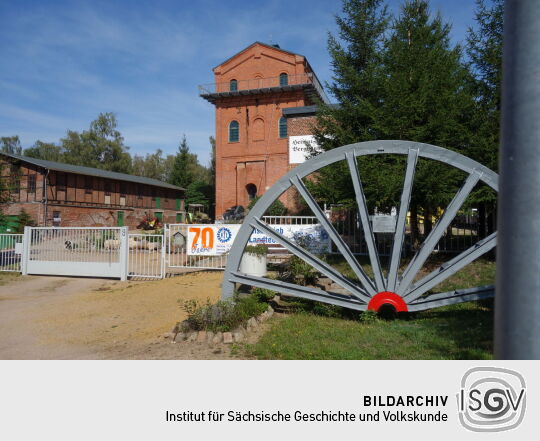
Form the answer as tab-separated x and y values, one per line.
58	194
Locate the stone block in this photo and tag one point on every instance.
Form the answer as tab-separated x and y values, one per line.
228	338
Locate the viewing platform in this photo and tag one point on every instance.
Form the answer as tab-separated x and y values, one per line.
257	86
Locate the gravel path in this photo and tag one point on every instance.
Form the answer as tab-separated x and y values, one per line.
78	318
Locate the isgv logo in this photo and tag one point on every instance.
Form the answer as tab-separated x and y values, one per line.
491	399
224	235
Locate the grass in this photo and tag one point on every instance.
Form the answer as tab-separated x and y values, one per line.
6	277
463	331
459	332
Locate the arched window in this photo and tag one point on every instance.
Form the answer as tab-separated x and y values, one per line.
233	85
251	191
283	79
282	127
234	131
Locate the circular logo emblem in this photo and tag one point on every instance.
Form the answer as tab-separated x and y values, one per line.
224	235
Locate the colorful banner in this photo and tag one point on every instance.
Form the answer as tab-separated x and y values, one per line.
212	240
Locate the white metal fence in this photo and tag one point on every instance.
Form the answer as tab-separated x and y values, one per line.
146	256
10	252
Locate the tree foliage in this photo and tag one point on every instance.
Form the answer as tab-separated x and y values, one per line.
401	78
11	144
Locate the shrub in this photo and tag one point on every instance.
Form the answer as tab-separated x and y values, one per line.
224	315
263	295
299	272
369	316
24	220
276	209
256	250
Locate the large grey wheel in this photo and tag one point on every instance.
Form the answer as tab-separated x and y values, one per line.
400	290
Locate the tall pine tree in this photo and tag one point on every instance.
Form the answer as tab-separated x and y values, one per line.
182	172
484	47
356	54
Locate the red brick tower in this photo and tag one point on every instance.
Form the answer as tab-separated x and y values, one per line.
251	90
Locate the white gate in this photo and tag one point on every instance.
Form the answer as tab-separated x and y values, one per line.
10	252
146	256
176	236
77	251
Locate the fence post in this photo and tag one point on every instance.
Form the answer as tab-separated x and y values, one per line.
517	299
124	253
26	250
163	251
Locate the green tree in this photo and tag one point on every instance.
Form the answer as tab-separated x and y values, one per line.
102	146
199	192
484	47
11	144
186	168
357	82
426	99
45	150
150	166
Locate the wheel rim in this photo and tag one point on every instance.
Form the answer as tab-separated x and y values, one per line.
399	290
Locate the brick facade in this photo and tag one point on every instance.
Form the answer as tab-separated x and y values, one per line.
260	156
53	197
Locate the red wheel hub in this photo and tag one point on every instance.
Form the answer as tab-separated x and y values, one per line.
387	298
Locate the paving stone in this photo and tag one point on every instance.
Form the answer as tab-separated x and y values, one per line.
192	336
228	338
201	337
218	338
181	336
238	337
209	336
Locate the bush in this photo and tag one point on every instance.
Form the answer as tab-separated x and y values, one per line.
24	220
369	316
224	315
299	272
256	250
263	295
276	209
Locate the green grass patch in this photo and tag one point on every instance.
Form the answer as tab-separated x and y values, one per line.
317	331
457	332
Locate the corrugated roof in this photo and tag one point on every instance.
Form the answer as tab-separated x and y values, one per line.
90	171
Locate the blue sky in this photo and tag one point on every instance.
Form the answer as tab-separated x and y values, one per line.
64	62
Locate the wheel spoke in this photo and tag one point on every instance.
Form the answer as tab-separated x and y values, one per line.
434	236
399	237
364	217
298	291
341	245
451	297
451	267
312	260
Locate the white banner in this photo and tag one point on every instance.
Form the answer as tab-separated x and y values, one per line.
212	240
300	148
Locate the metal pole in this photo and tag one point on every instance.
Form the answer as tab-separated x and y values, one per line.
517	304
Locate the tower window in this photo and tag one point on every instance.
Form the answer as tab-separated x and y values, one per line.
233	85
234	131
283	79
282	127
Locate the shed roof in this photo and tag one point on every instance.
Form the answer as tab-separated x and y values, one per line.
90	171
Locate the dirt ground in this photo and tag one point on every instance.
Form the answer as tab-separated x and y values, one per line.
82	318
